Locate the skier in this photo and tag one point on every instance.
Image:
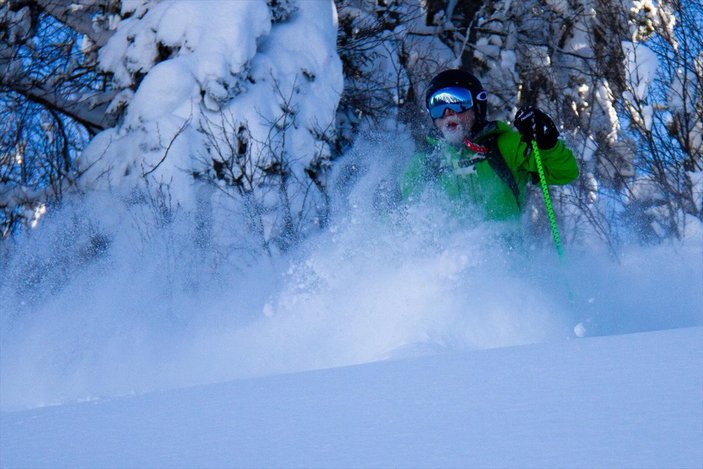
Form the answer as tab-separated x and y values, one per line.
483	166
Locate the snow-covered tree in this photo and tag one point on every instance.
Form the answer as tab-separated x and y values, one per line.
236	96
587	62
231	112
664	109
53	99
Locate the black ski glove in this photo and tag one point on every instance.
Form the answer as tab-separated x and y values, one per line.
534	124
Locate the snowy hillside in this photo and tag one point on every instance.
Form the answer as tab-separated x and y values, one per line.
148	319
620	401
227	277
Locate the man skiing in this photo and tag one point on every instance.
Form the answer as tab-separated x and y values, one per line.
483	166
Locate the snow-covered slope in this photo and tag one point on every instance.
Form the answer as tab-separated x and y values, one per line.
618	401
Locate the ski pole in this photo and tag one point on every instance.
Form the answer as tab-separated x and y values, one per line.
547	200
552	220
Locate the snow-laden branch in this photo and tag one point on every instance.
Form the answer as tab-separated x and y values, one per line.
79	15
88	109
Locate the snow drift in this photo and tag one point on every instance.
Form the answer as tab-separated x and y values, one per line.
618	401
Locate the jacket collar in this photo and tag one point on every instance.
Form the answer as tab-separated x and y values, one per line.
491	128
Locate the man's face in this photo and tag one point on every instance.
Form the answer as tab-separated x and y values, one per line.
455	127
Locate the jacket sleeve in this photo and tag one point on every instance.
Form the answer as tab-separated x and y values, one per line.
559	163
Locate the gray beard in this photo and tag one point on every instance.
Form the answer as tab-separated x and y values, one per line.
455	138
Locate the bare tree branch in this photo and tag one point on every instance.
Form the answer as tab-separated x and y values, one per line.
89	110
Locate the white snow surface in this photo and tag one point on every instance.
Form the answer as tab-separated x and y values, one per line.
619	401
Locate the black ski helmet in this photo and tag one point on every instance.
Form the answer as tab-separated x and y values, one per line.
464	80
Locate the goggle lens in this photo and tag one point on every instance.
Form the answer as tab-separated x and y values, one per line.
454	98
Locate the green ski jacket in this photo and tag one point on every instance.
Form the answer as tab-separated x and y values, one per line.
491	183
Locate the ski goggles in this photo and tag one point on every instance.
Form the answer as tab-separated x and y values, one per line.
454	98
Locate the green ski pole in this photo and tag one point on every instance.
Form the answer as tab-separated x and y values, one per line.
550	213
547	200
